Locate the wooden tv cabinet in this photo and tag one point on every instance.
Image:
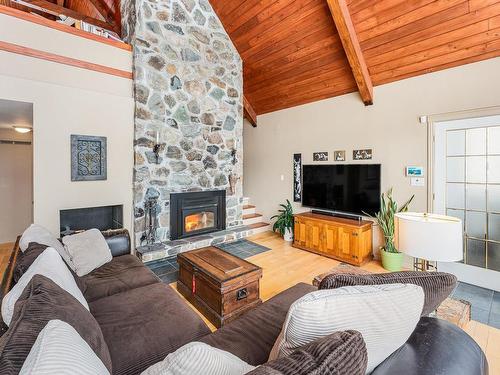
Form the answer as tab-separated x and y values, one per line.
346	240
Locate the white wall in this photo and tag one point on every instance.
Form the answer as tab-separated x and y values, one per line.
16	185
390	127
68	100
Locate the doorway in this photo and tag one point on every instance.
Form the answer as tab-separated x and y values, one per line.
16	170
466	185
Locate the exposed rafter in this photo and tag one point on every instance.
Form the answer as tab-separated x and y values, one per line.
58	10
249	112
105	11
349	39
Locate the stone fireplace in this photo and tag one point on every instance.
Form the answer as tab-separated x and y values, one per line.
189	112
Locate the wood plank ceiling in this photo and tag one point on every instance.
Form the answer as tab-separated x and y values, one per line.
293	55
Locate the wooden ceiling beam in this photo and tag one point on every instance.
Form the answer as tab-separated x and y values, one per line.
55	9
350	42
105	11
249	112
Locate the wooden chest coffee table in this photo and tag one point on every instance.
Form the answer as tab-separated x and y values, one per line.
220	285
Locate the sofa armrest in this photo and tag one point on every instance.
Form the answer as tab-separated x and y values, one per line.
118	241
436	347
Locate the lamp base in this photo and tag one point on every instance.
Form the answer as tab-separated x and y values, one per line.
424	265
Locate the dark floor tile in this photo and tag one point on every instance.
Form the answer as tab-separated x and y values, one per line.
478	297
495	304
174	263
164	268
494	320
480	315
169	277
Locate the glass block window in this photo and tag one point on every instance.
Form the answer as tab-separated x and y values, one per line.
473	191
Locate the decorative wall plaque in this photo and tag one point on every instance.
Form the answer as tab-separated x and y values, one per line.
297	177
88	158
320	156
365	154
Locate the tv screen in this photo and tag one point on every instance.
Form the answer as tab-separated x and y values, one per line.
350	188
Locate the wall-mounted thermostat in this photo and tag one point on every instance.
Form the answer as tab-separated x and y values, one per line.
414	171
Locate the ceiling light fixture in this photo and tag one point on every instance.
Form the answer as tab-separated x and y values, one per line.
21	129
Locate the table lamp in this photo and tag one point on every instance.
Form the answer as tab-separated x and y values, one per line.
428	238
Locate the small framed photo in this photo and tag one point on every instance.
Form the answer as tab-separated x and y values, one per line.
414	171
320	156
339	155
365	154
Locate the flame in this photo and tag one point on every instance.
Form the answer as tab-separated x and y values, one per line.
198	221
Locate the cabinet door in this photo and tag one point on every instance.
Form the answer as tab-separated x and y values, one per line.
313	235
348	244
299	232
331	240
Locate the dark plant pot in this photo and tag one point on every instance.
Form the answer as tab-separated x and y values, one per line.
392	262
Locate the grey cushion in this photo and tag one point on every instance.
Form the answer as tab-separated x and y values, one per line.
341	353
437	286
41	301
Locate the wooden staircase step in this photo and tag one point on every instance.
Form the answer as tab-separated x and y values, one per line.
258	225
251	216
248	206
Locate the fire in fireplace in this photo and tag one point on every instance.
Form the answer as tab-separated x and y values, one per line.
197	213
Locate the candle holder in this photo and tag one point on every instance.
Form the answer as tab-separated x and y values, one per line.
156	151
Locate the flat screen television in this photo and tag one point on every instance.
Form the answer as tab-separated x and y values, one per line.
349	188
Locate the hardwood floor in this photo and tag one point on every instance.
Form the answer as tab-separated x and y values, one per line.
285	266
5	251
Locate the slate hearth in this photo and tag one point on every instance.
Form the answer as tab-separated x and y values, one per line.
167	249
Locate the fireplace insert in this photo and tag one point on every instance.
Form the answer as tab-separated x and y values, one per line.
196	213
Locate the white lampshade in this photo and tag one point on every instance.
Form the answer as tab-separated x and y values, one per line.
428	236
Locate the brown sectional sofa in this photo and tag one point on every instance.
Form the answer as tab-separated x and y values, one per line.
143	320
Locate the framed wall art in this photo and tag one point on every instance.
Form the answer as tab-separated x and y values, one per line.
339	156
88	158
297	177
320	156
365	154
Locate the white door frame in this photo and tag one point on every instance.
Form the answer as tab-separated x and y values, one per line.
465	273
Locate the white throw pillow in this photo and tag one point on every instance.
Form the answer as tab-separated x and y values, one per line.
199	358
88	250
39	234
48	264
386	316
59	349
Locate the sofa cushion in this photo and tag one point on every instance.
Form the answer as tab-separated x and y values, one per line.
386	315
59	349
341	353
252	336
37	233
143	325
25	259
51	265
88	251
123	273
41	301
437	286
199	358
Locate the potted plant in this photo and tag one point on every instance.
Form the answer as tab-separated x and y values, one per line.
284	221
392	259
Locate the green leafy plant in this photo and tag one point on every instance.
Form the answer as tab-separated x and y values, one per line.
284	220
385	218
